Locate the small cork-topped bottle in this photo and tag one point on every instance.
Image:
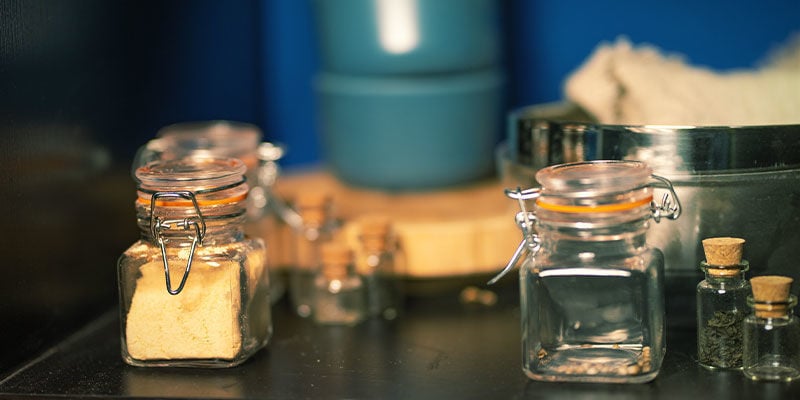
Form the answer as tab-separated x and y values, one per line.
339	292
376	266
317	228
771	332
722	303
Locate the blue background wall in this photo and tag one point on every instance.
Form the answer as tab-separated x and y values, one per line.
254	61
549	39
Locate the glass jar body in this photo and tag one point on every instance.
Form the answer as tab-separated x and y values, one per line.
219	319
241	141
307	263
339	301
382	286
593	307
772	347
721	309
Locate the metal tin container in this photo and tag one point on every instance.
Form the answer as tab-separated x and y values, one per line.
741	181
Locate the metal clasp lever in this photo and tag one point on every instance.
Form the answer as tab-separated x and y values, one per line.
530	243
666	209
268	171
157	225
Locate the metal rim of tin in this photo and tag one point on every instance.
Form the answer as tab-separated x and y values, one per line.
555	133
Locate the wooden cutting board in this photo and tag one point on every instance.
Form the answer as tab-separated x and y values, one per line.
454	232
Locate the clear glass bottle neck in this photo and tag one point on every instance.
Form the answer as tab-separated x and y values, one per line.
767	311
623	237
725	275
317	233
725	282
733	279
373	248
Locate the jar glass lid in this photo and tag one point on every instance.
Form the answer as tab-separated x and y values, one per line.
221	138
592	178
196	174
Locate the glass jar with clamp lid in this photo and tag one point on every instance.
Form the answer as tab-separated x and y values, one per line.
194	290
591	289
268	216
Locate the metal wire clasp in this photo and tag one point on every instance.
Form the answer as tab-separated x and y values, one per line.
263	197
666	209
530	243
157	225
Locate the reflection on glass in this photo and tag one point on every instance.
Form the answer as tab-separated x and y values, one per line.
144	383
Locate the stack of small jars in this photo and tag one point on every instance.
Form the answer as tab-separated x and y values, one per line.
337	283
591	289
196	290
741	325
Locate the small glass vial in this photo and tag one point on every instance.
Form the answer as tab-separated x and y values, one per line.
194	290
592	299
771	332
722	304
266	213
318	226
376	266
339	297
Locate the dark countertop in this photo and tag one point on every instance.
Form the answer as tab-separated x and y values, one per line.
437	349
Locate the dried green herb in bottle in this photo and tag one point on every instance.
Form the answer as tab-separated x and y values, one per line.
720	342
722	304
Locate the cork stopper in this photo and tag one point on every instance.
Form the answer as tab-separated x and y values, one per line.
723	255
313	206
336	257
374	224
374	232
771	295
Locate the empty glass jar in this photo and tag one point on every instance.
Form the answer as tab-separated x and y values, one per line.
376	266
338	297
318	228
591	289
194	290
771	331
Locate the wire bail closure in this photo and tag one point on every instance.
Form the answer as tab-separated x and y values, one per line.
666	209
524	219
268	171
157	225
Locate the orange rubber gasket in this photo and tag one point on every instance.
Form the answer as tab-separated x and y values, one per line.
188	203
592	209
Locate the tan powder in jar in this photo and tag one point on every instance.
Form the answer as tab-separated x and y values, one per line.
200	322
